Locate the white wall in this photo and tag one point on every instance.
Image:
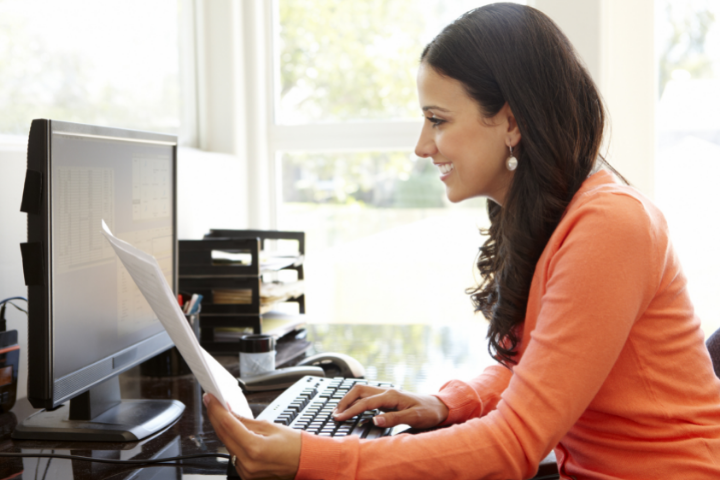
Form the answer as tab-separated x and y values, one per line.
212	192
232	97
629	87
615	39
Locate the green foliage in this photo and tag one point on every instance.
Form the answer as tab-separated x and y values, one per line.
351	60
368	178
684	46
422	189
338	62
406	355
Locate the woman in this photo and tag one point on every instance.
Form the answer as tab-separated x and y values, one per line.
601	357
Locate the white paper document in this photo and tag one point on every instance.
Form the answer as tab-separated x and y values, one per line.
148	276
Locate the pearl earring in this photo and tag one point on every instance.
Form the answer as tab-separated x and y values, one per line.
511	161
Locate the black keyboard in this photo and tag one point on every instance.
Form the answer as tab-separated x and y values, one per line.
308	405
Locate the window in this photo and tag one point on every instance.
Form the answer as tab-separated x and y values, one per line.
688	143
384	245
109	62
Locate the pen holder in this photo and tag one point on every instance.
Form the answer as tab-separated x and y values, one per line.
257	354
170	363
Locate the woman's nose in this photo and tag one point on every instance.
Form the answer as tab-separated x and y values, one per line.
425	146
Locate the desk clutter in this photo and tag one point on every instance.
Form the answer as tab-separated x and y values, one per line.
243	284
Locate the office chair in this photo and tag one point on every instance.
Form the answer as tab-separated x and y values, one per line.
713	346
548	470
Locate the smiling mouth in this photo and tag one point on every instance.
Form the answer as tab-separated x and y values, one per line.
445	168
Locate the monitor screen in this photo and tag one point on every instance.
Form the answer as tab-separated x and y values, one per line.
130	186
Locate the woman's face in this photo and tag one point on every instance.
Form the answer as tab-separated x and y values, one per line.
470	151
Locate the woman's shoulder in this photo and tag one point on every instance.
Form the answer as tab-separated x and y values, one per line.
606	221
603	195
614	212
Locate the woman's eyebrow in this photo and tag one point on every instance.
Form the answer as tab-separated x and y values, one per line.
434	107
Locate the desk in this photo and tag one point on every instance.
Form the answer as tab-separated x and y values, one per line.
418	358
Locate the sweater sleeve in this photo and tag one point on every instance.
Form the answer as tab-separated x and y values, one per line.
475	398
600	277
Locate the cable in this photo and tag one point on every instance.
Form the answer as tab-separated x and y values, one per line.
3	303
155	461
13	298
37	467
19	308
47	467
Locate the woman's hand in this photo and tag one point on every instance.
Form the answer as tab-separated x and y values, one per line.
418	411
263	449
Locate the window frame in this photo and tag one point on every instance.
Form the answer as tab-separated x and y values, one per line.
370	135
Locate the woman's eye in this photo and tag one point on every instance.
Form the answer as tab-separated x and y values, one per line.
435	121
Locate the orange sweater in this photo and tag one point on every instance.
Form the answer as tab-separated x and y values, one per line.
613	372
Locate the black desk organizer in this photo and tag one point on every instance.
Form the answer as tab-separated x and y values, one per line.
198	274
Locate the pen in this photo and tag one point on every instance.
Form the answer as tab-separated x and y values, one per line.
195	306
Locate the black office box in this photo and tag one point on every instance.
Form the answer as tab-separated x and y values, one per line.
200	273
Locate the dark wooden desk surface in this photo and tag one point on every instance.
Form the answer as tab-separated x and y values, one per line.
415	357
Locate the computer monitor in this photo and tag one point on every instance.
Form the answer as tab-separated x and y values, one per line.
88	322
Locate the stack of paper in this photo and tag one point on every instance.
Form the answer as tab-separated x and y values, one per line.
271	293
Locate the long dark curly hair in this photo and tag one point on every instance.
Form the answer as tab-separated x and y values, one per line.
508	53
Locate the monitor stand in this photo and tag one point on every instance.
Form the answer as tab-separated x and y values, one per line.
99	415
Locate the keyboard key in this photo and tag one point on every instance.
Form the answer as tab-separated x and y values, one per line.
361	430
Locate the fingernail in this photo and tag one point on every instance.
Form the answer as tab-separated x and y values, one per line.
379	421
205	399
334	412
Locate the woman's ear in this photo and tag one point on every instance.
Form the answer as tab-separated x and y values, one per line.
513	135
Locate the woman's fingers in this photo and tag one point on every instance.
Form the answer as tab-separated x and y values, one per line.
226	425
391	419
356	393
420	411
365	398
263	450
417	417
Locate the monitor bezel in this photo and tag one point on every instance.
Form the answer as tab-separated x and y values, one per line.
43	390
